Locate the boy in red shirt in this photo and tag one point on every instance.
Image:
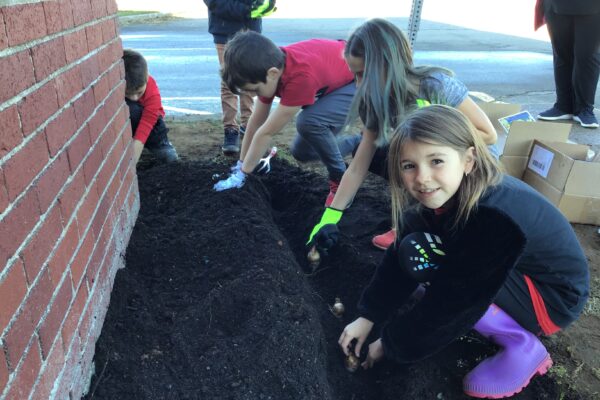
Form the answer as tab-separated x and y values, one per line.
311	79
145	110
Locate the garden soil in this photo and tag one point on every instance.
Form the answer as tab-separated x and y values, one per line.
218	301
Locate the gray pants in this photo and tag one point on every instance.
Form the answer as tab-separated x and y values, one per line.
319	126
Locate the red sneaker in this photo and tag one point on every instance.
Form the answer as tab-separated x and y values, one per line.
333	187
384	240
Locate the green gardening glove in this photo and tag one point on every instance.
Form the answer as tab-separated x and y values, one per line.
262	8
325	234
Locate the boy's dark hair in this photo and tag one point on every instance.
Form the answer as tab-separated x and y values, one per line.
247	58
136	70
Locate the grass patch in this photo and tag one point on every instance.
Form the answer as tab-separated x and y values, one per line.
130	13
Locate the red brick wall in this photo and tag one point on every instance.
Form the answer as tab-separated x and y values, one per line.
68	190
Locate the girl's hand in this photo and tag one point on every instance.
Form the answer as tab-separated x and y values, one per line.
375	354
359	330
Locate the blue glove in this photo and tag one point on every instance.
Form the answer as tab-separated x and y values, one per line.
235	180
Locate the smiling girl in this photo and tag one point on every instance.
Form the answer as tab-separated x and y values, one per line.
494	256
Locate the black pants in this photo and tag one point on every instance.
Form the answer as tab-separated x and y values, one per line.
158	135
576	46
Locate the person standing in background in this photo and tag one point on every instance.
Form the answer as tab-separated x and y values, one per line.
225	19
574	29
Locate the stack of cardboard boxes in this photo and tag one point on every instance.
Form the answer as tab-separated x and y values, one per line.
539	153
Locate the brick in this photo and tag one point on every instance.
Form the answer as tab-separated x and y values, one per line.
111	7
86	209
60	130
17	338
90	71
78	148
91	165
109	30
82	11
24	23
94	36
79	264
100	216
37	250
24	165
84	107
66	14
50	372
53	321
74	314
26	376
48	57
52	180
3	193
39	297
70	197
68	84
106	59
16	74
3	45
75	45
63	254
37	107
3	369
97	124
53	18
12	292
12	134
101	89
98	9
17	224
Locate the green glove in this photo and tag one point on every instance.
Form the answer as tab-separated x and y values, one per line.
262	8
330	216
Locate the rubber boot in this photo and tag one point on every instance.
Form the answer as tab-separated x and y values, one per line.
521	356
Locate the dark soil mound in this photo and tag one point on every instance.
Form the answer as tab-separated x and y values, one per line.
218	302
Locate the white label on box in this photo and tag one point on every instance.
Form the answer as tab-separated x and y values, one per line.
540	160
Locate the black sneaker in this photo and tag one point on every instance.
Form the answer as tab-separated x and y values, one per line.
586	118
165	153
231	141
554	114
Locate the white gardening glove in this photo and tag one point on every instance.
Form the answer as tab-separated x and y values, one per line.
235	180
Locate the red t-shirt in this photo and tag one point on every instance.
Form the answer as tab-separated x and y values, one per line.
313	68
153	108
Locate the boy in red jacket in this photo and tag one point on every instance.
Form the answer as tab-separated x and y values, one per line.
145	110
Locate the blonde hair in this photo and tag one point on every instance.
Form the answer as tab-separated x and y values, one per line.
444	126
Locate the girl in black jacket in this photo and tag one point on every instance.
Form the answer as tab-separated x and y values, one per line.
492	253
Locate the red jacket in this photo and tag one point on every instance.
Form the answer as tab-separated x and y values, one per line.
153	109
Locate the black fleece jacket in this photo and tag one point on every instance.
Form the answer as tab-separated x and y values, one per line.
227	17
513	226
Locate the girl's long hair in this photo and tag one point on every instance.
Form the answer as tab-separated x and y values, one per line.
390	85
444	126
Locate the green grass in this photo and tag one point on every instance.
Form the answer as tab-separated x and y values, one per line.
130	13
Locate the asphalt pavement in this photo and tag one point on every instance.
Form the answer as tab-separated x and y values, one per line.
183	60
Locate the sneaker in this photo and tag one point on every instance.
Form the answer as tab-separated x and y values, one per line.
384	240
242	132
586	118
165	153
231	141
554	114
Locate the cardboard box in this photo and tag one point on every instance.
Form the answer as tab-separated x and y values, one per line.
515	146
561	173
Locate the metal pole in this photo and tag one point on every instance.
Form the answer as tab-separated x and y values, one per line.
414	20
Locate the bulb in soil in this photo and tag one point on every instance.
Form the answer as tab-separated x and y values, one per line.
338	308
313	256
352	363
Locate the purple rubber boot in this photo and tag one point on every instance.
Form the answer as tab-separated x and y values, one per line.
521	356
